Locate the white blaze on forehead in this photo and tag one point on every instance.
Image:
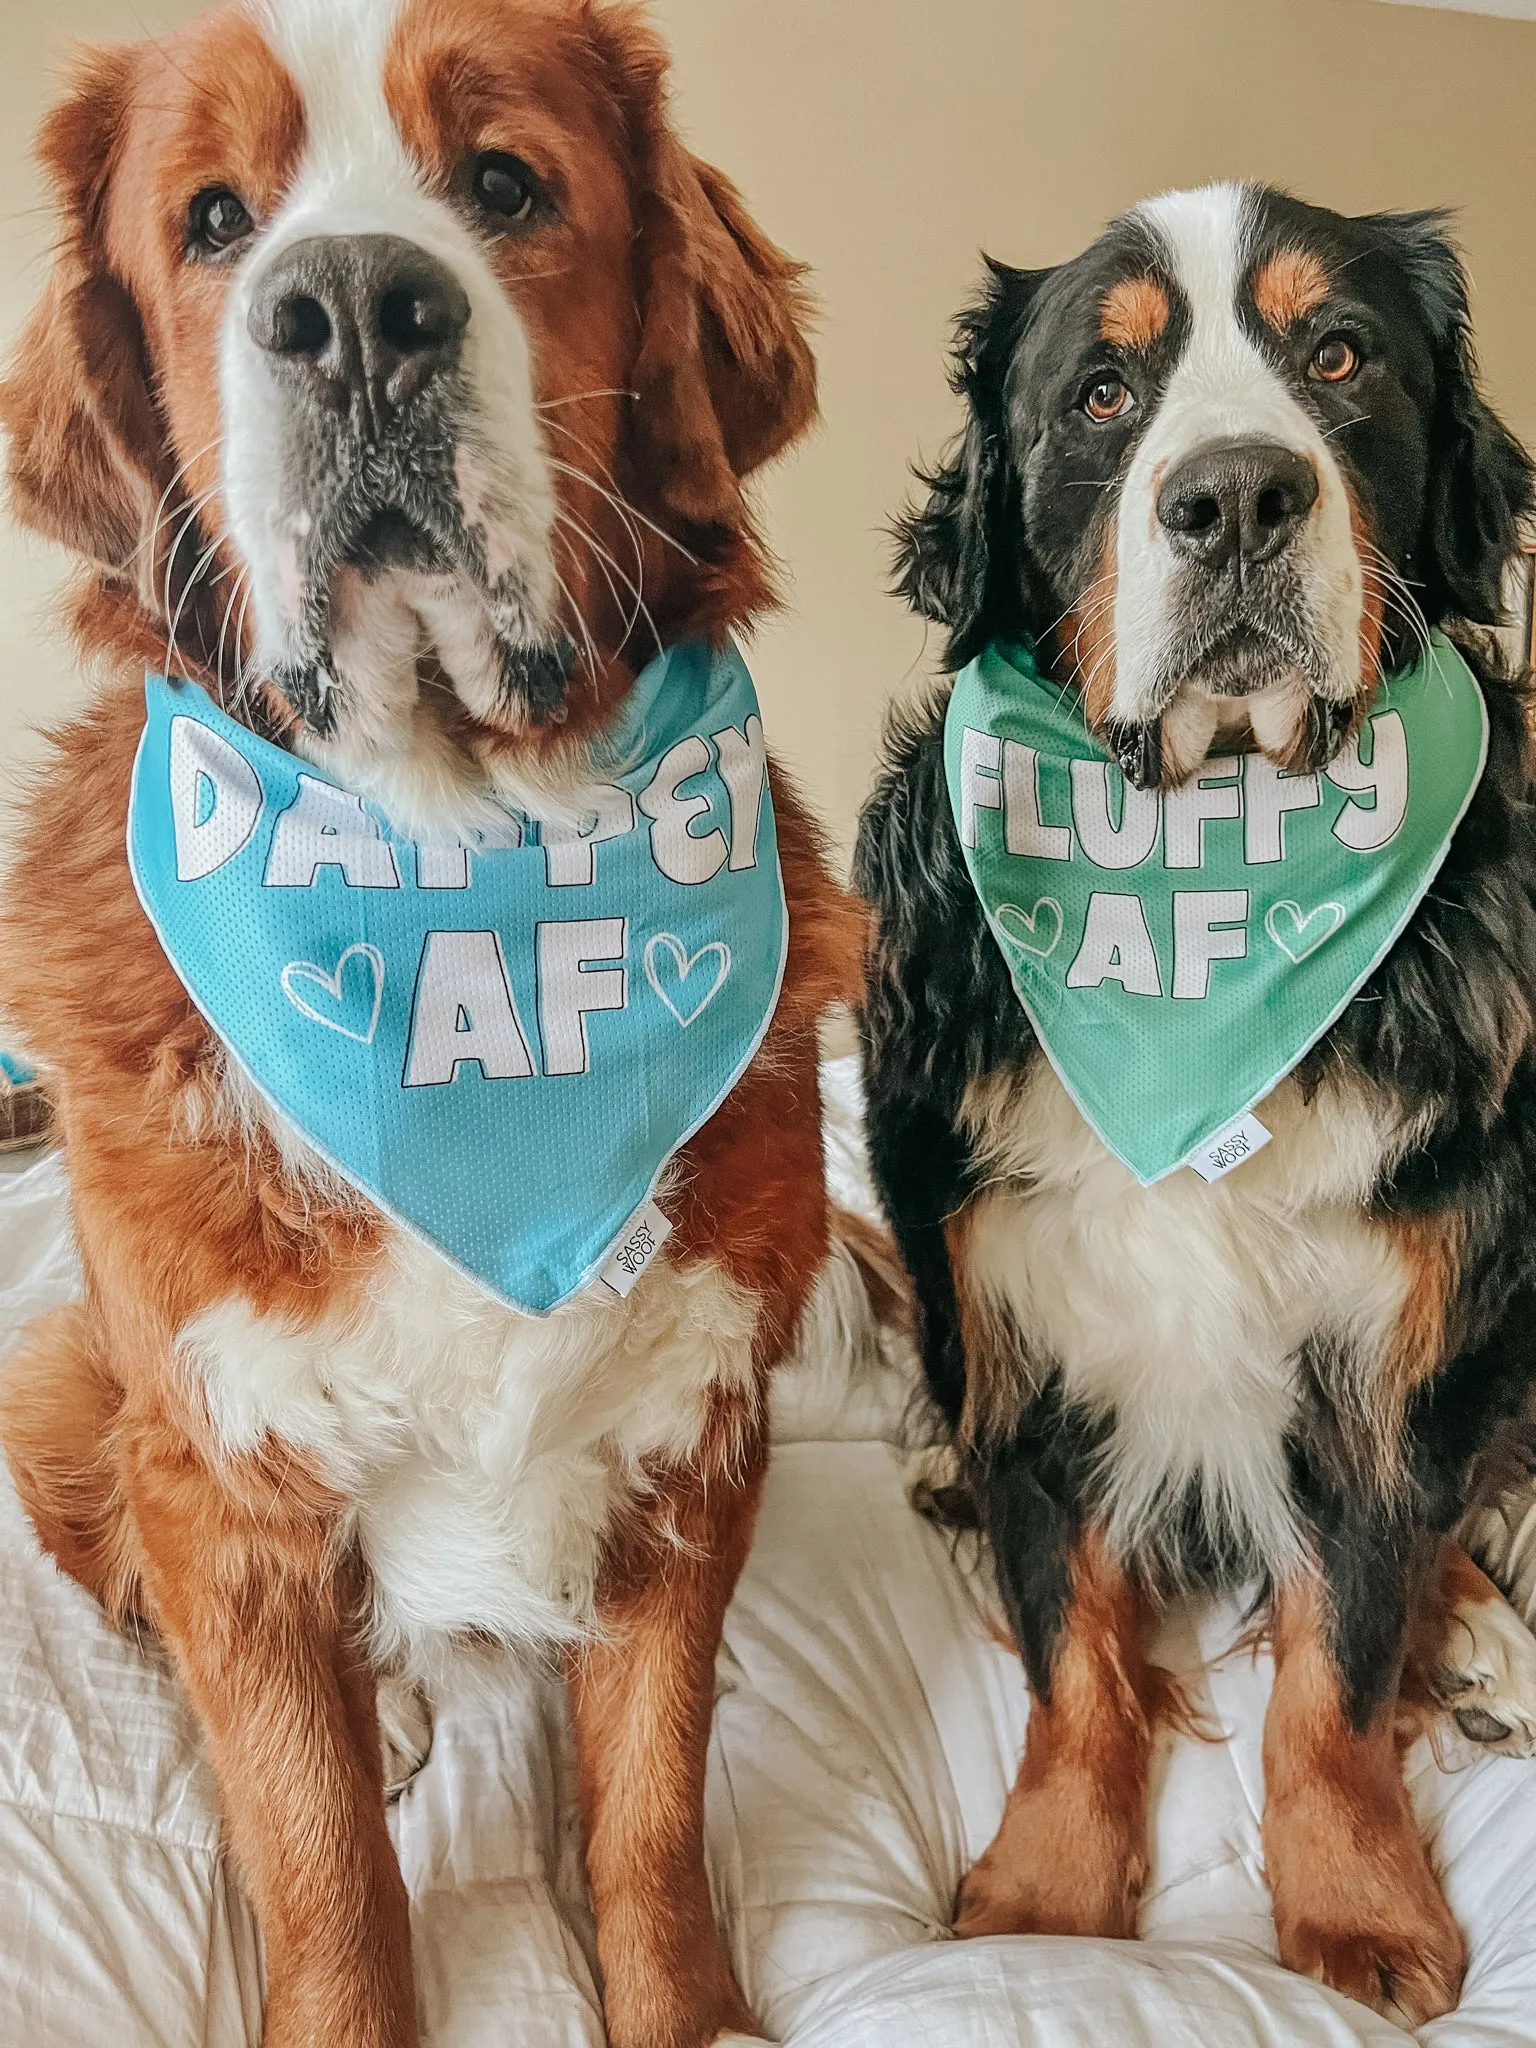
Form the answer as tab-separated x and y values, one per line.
1223	388
335	50
1204	236
356	176
296	25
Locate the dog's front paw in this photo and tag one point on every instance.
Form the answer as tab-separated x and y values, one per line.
1487	1679
1040	1877
1410	1974
995	1899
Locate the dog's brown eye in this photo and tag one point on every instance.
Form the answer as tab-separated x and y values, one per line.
1107	398
1335	360
216	220
506	188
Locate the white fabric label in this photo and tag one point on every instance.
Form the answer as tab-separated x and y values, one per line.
1230	1148
636	1250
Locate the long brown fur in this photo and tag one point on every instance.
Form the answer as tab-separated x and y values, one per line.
672	294
1355	1898
1070	1856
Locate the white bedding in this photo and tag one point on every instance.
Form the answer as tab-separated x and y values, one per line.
867	1729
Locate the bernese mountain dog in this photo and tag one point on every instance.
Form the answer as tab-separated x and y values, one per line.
1224	475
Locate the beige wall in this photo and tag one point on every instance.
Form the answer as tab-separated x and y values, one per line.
886	141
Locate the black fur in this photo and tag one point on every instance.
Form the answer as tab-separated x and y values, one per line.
958	564
1445	1028
1035	1485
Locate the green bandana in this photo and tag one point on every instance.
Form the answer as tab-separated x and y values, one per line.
1178	953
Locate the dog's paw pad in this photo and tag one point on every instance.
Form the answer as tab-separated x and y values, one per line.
1488	1681
405	1733
936	1489
1410	1978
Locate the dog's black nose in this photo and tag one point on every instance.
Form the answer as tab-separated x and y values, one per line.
1242	501
366	321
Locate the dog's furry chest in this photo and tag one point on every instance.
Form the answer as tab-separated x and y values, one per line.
1177	1317
484	1455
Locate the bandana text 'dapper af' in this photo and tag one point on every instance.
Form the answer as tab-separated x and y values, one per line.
501	1044
1179	952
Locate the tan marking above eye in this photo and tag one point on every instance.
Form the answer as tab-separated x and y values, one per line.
1135	313
1289	286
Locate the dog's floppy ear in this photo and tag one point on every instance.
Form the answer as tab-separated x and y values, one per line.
950	567
1480	478
724	378
87	451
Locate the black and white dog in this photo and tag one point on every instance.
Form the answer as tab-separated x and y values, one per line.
1224	470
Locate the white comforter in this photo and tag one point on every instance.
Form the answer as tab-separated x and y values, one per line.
867	1729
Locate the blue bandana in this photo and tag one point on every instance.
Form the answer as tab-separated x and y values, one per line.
501	1044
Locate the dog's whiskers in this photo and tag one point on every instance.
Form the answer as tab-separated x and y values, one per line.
581	397
237	590
149	540
579	617
605	561
181	604
623	507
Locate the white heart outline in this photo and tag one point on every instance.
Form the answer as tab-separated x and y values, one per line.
1029	918
1301	920
685	967
308	971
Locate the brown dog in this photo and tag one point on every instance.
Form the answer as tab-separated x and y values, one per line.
301	1445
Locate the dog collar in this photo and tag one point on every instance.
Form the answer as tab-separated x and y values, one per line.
501	1044
1178	953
